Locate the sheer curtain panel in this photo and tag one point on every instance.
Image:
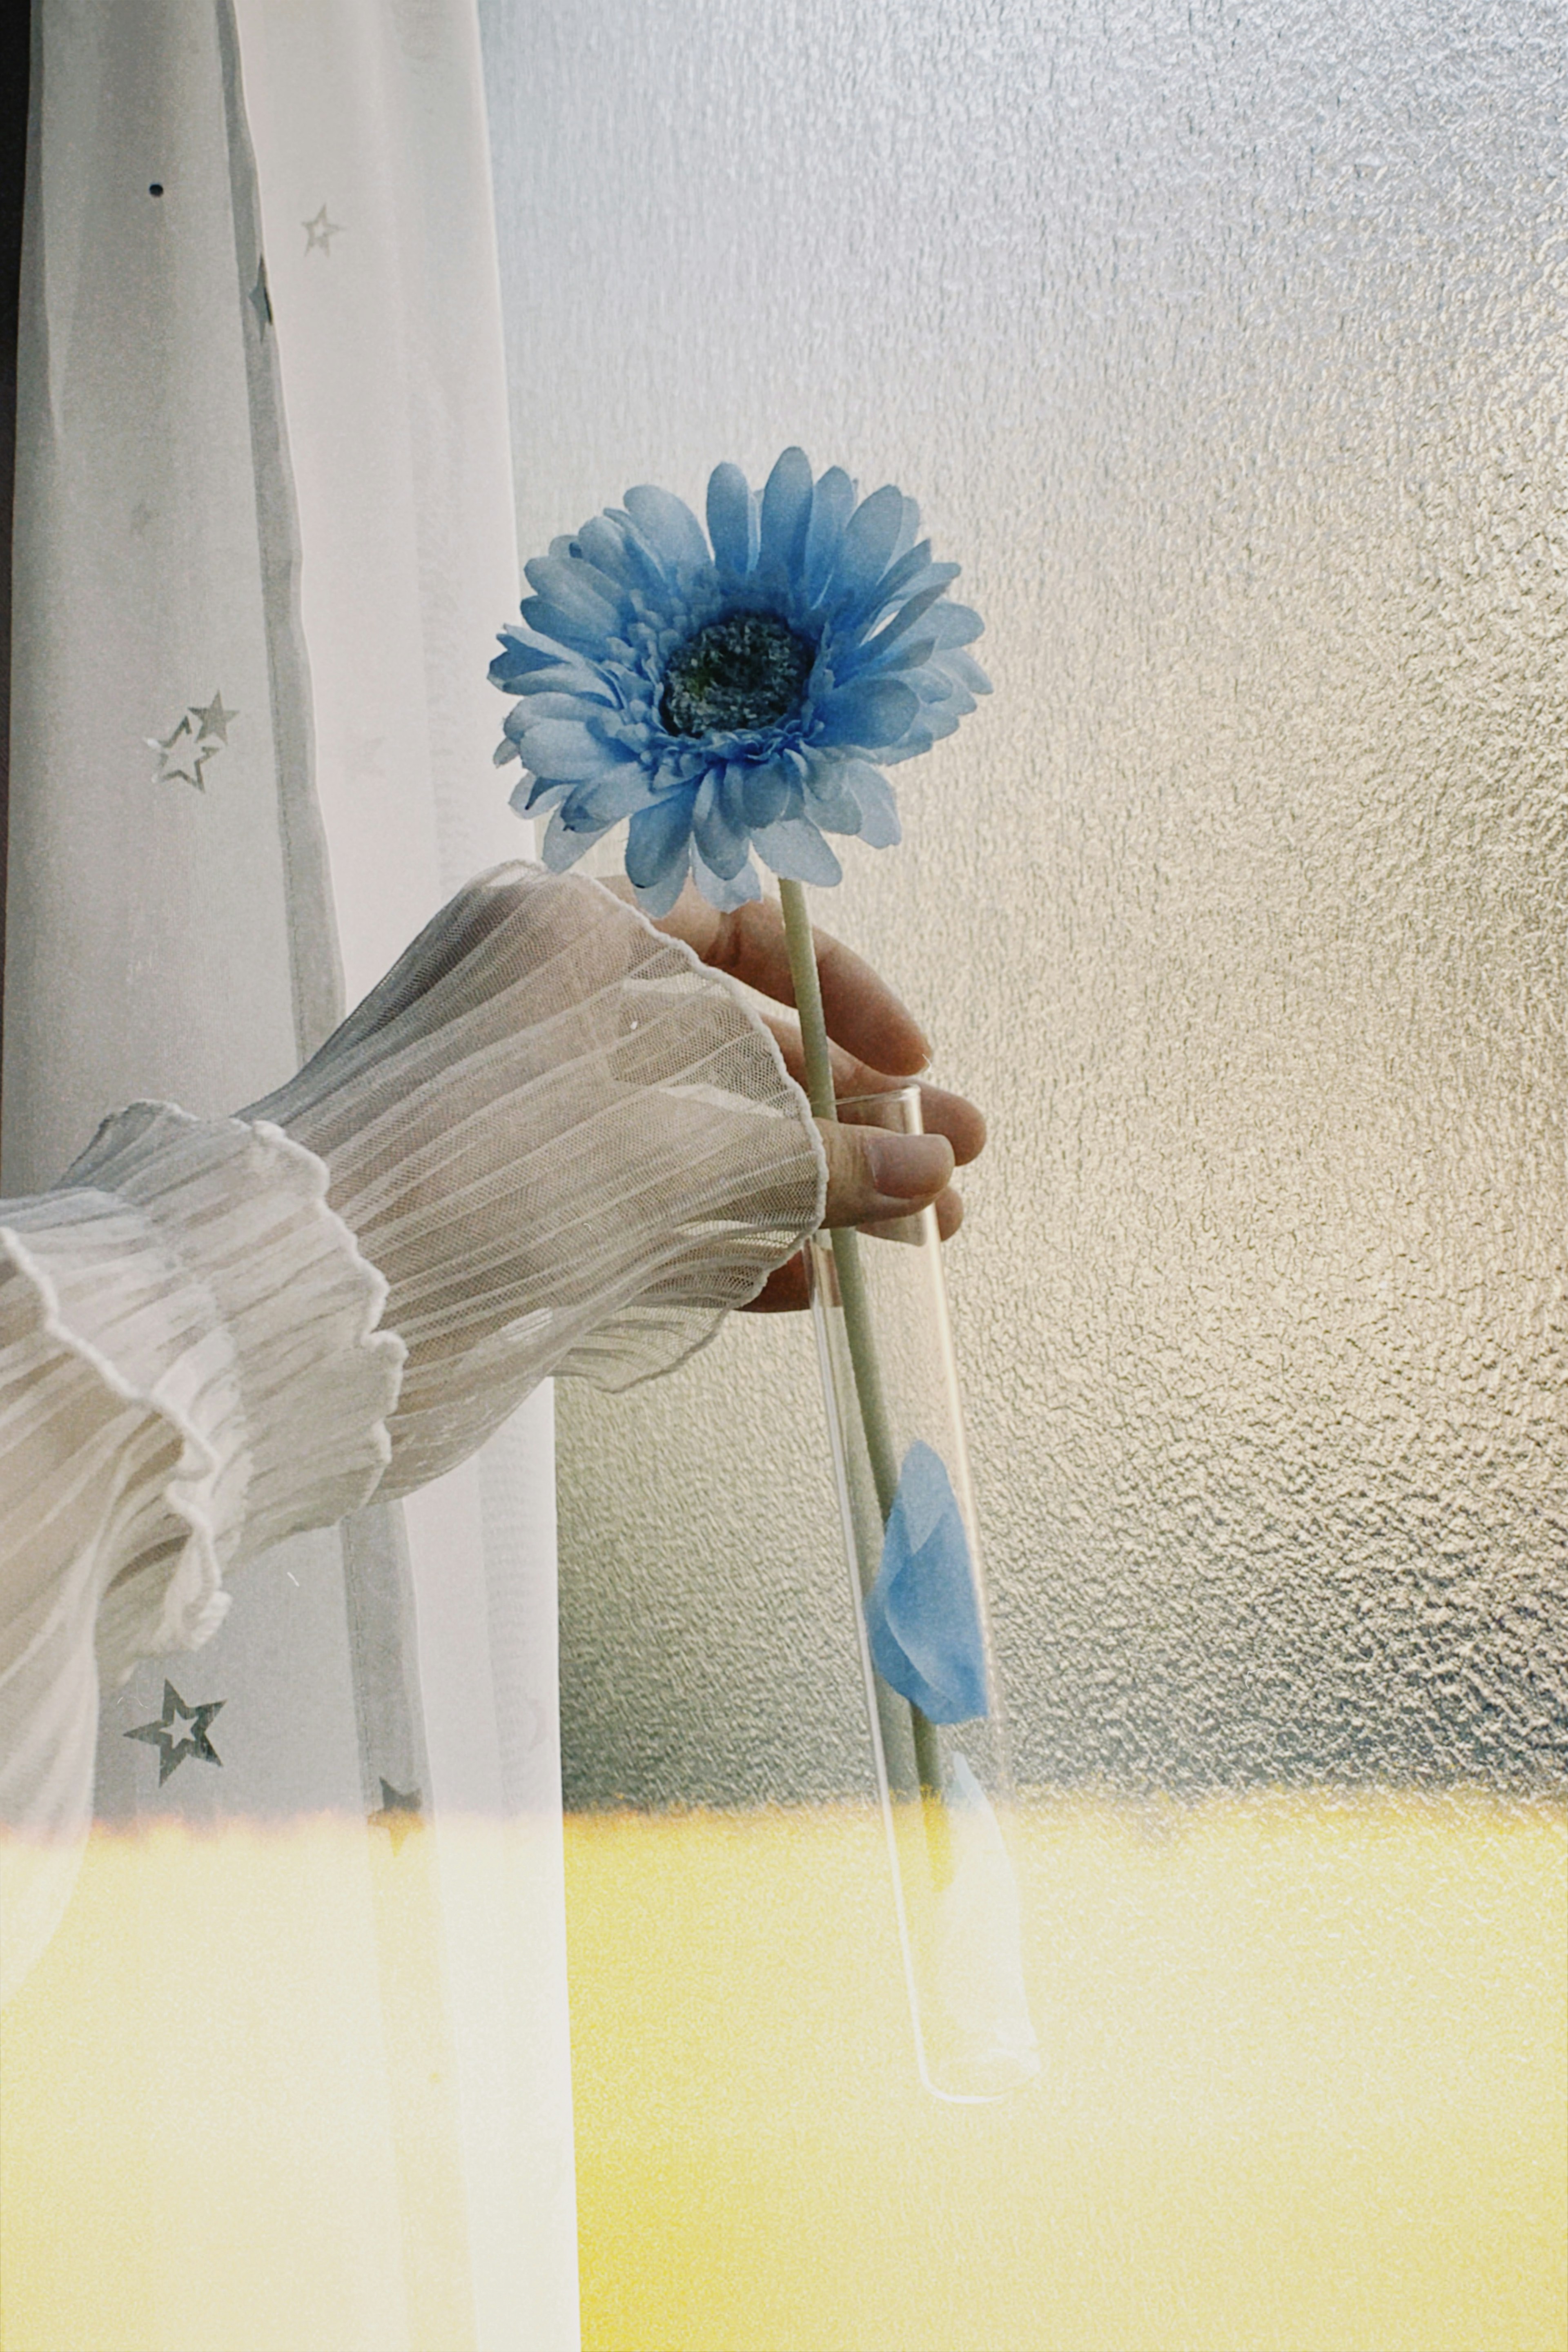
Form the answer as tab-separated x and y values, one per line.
294	2069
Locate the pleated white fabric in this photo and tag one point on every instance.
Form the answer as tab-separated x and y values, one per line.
567	1147
190	1369
549	1141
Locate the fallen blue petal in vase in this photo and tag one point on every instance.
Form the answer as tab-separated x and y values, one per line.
922	1613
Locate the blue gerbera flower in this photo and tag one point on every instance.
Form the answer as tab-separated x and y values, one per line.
739	695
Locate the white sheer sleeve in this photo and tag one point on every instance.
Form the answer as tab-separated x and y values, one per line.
550	1141
566	1144
189	1369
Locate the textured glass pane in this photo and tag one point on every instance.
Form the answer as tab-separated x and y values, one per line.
1225	349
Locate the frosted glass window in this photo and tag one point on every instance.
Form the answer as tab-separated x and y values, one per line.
1224	347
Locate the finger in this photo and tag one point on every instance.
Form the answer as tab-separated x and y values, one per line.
941	1112
873	1175
860	1010
786	1289
949	1208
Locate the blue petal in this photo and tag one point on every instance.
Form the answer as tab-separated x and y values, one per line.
725	893
561	847
868	544
731	520
937	691
567	751
937	723
720	843
786	513
659	840
669	526
578	590
912	608
603	801
955	625
581	633
613	553
567	567
869	653
659	897
905	653
569	680
967	670
908	525
910	577
517	661
829	801
640	558
731	790
832	504
868	712
898	577
764	792
922	1613
879	826
546	794
551	699
795	849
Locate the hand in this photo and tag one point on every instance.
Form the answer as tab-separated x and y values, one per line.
872	1175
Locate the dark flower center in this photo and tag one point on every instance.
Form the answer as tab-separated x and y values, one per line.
747	670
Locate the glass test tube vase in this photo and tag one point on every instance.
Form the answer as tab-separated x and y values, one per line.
934	1707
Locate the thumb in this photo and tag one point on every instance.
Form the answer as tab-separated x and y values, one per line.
874	1175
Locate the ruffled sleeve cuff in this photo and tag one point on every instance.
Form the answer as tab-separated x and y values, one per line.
195	1267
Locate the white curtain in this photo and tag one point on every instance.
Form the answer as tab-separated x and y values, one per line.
311	1998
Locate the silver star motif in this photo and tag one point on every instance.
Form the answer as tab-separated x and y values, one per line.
199	735
214	721
399	1813
181	757
180	1731
320	232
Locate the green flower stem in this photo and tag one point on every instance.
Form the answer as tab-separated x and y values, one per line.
858	1329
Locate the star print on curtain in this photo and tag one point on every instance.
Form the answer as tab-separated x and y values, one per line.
195	739
180	1731
262	369
319	233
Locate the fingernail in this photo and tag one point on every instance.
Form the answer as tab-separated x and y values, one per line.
906	1165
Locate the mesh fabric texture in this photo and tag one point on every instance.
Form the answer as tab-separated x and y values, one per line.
566	1145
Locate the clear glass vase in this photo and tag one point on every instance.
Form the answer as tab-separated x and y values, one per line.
879	1308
